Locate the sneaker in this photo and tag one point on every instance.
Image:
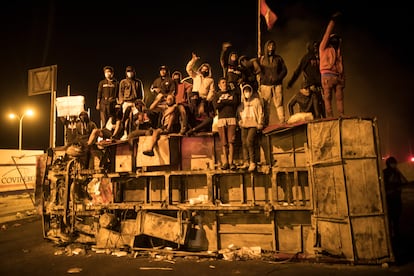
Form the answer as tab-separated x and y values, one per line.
226	166
285	203
252	167
245	166
124	137
148	153
233	167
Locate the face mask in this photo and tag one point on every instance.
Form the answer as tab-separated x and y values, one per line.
247	95
84	118
108	75
130	74
205	73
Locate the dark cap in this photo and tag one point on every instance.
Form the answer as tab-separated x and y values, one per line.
130	69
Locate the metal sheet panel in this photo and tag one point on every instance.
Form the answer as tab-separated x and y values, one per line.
370	238
335	238
161	152
324	139
329	192
162	226
363	187
357	138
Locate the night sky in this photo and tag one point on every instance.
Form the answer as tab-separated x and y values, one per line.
81	38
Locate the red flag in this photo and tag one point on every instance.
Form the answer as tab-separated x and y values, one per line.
268	14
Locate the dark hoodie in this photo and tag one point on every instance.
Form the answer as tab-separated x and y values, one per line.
309	65
273	67
230	67
165	83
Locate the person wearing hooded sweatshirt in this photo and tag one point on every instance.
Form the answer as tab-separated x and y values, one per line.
250	120
130	89
203	82
306	100
309	68
229	61
332	68
272	72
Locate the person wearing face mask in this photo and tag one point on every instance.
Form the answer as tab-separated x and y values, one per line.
250	120
130	89
203	83
273	70
183	88
107	95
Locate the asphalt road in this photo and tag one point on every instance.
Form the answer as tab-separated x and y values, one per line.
23	251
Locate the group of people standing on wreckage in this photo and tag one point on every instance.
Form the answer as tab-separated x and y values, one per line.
186	106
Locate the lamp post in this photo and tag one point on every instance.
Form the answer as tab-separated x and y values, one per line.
28	112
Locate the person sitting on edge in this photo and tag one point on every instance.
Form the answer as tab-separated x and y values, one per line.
168	124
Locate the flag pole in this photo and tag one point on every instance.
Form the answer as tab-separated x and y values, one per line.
258	29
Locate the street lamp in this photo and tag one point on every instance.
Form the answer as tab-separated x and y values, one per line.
28	112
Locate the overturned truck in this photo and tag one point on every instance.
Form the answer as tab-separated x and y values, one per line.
317	192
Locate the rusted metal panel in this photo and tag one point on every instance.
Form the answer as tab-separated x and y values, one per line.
198	152
123	158
335	238
358	139
246	229
290	239
363	187
157	190
370	238
230	188
134	190
329	192
186	188
162	226
165	151
324	141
